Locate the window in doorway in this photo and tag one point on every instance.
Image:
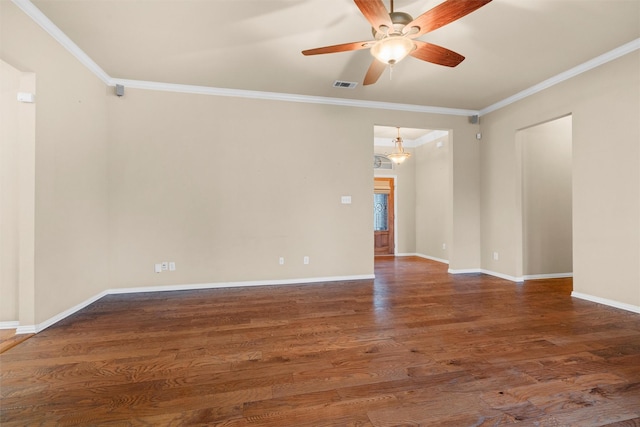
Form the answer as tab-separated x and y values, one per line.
380	209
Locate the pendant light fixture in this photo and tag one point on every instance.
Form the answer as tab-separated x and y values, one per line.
399	155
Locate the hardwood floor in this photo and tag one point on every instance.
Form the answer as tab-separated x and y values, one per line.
414	347
9	339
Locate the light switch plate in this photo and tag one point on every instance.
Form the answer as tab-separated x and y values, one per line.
26	97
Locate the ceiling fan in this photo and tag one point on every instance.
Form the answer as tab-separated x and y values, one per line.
395	35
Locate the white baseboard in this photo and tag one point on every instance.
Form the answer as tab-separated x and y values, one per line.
12	324
547	276
219	285
503	276
513	278
432	258
464	271
33	329
27	329
604	301
489	272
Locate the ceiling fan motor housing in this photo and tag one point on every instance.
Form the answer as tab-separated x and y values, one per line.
399	19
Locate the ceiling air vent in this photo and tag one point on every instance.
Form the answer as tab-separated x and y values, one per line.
344	85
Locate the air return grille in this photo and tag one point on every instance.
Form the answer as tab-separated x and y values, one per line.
344	85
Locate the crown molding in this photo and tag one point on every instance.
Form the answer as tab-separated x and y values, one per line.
289	97
586	66
41	19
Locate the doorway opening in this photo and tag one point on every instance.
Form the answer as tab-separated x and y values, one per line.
423	188
17	198
546	165
384	216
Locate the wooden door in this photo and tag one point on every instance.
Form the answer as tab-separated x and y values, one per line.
383	216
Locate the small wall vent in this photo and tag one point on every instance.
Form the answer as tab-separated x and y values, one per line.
344	85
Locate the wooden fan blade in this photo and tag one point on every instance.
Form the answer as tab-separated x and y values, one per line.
441	15
436	54
375	12
345	47
374	72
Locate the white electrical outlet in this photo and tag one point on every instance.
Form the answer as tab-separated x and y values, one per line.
157	268
496	256
165	266
172	266
281	260
444	246
305	260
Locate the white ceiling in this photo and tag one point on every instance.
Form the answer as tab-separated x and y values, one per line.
510	45
411	137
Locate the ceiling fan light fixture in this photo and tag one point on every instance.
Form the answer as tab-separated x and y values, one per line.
399	155
392	49
396	35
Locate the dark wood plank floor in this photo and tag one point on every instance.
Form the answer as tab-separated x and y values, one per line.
414	347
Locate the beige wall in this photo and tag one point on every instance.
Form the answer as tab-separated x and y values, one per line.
464	182
605	107
71	199
9	191
546	198
226	186
18	123
433	200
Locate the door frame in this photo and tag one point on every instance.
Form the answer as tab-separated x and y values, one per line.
394	223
